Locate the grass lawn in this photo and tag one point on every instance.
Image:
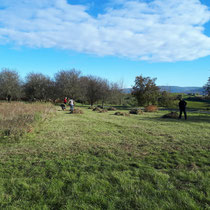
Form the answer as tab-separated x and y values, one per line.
102	161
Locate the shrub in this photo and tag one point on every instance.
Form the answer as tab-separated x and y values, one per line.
151	108
136	111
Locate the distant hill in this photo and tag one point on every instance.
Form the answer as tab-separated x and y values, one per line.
177	89
174	89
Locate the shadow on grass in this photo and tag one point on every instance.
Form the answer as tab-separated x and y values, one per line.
190	118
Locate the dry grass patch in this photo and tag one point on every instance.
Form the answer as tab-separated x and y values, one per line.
18	117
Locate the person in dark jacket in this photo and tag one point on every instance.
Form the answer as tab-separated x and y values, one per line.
182	108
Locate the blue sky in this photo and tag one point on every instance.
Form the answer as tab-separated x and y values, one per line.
117	40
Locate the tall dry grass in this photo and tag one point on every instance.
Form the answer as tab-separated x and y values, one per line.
17	118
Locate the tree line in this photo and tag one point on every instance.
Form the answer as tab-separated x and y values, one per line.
65	83
84	89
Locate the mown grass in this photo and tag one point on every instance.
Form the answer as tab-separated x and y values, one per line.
197	102
198	105
103	161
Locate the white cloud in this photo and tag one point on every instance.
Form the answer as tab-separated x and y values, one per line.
159	30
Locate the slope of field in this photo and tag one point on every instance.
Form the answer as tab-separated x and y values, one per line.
102	161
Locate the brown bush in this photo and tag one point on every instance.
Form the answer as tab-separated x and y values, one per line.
151	108
121	114
173	115
112	109
136	111
77	111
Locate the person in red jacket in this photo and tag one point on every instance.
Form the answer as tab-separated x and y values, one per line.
65	100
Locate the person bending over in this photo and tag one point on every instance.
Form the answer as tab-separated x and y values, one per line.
71	104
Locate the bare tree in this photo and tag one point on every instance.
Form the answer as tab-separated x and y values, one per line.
105	91
38	86
83	82
10	84
94	89
115	93
68	83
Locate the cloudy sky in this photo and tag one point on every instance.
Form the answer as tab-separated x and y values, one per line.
116	40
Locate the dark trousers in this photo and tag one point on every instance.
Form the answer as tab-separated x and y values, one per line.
180	114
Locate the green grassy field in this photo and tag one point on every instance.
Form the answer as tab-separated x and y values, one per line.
102	161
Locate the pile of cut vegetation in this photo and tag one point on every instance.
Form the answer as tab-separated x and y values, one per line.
96	109
112	109
136	111
91	107
99	110
122	114
103	111
151	108
77	111
101	107
173	115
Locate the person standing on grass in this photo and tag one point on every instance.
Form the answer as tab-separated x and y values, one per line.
65	100
182	108
71	104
